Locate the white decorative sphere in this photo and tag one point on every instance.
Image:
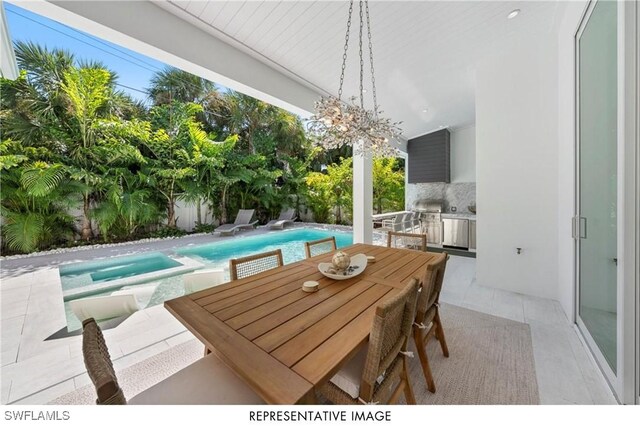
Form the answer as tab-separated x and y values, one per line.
341	260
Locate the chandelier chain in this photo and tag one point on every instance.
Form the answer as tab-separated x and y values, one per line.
373	74
338	123
346	48
361	58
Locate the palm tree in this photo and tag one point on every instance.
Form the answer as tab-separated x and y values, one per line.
173	84
71	111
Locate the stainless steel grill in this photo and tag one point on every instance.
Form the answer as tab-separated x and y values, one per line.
428	205
430	218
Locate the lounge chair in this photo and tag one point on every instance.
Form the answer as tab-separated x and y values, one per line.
243	220
287	216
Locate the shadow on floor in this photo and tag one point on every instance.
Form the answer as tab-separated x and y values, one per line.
104	325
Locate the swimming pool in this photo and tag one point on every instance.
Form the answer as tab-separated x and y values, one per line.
89	278
213	255
77	275
291	242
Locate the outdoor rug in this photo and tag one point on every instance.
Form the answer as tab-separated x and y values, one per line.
491	363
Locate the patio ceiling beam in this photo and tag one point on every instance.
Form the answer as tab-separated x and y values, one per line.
8	65
150	30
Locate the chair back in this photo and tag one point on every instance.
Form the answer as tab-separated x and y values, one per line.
431	286
99	366
389	334
254	264
397	239
318	247
287	215
398	223
244	216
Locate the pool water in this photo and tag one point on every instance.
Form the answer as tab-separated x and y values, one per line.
87	273
218	254
291	242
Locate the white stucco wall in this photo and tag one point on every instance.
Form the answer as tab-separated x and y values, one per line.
517	169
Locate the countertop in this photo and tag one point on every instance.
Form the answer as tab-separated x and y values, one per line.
458	215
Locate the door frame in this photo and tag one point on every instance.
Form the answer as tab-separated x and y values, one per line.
625	383
629	122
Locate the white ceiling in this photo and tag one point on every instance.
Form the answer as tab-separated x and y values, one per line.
425	52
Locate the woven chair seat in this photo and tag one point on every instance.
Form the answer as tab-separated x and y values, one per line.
208	381
344	387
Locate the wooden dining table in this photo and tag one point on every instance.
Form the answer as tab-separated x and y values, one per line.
284	342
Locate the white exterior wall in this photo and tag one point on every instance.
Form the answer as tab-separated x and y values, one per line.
187	215
517	169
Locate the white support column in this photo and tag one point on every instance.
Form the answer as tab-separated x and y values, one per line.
362	198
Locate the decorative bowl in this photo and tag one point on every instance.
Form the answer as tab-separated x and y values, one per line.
357	266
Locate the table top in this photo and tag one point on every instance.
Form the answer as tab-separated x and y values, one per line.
283	341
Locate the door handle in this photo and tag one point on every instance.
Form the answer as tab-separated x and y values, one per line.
582	227
615	260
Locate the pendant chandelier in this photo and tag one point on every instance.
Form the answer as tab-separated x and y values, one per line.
337	123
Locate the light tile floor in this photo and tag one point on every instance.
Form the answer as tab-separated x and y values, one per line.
35	370
565	370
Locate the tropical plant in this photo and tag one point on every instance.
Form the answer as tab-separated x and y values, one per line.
72	140
35	198
388	185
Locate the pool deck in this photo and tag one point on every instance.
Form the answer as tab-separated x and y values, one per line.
40	363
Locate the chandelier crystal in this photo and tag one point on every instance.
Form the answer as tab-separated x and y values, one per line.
337	123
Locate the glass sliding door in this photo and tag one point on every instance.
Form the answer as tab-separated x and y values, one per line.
597	205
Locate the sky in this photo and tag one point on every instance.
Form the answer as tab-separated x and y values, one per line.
134	70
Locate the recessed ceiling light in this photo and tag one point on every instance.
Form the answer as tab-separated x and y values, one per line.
513	13
425	110
364	91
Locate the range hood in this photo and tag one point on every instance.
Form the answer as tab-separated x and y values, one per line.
429	158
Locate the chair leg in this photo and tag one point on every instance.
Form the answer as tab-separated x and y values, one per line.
408	391
440	334
396	393
424	360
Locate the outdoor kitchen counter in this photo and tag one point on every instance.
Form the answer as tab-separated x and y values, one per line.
458	215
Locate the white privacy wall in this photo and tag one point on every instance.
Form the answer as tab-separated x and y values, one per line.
517	169
463	154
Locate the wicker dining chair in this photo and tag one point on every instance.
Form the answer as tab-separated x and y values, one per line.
99	367
207	381
318	247
248	266
407	240
428	323
379	373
